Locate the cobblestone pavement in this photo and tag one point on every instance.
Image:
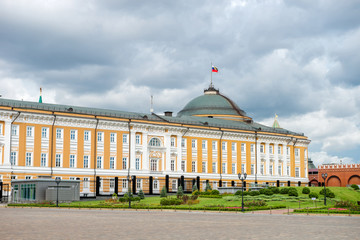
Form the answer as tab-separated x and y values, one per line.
45	223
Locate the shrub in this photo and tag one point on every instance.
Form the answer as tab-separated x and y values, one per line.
275	190
163	192
293	192
208	187
196	193
141	194
194	188
215	192
238	193
254	193
268	192
344	204
313	195
306	190
170	201
354	186
185	199
284	191
255	203
180	192
262	191
329	193
194	197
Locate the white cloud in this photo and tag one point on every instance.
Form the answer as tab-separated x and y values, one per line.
320	158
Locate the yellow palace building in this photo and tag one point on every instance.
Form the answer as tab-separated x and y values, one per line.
210	140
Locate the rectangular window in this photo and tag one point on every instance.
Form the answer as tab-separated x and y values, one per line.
99	162
112	137
223	167
183	142
72	160
279	149
204	144
125	138
279	170
214	167
252	169
262	169
44	132
223	144
193	166
124	163
27	177
242	168
100	136
138	183
252	148
271	169
86	136
297	172
261	148
43	159
271	149
86	161
172	165
214	145
29	131
156	185
203	167
243	147
233	147
73	135
13	158
112	183
172	142
58	160
28	159
137	163
297	152
233	168
86	183
112	162
137	140
288	151
124	184
183	166
193	143
174	184
288	170
14	130
59	134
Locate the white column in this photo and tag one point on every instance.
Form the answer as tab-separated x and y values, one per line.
276	156
7	150
132	151
179	153
267	159
167	145
145	163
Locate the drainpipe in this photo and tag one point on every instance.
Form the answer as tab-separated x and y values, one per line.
95	149
52	145
220	158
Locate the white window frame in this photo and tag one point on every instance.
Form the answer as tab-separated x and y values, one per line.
86	161
262	147
233	146
204	144
252	169
224	146
193	143
100	136
297	172
138	183
242	168
59	133
112	162
58	156
124	162
43	159
233	168
271	149
137	163
87	136
137	139
28	159
183	142
193	166
72	161
280	170
172	165
252	148
172	142
214	167
29	131
271	170
224	167
112	137
154	165
203	166
44	132
13	158
183	165
73	135
14	130
125	138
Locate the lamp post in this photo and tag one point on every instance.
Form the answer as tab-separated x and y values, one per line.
57	180
324	176
242	178
129	189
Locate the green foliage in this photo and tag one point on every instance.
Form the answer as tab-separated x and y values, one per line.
194	188
126	198
180	192
196	193
208	187
306	190
275	190
354	186
238	193
163	192
170	201
215	192
114	196
255	203
254	193
267	191
345	204
293	192
141	194
329	193
231	198
284	190
313	195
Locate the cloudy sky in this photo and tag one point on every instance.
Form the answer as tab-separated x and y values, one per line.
299	59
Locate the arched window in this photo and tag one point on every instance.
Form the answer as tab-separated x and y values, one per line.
155	142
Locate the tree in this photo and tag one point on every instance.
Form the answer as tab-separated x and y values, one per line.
208	187
163	192
180	192
141	194
194	188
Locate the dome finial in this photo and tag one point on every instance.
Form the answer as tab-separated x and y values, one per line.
276	123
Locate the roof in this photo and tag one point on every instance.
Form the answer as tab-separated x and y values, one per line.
189	120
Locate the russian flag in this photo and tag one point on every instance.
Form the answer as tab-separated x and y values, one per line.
214	69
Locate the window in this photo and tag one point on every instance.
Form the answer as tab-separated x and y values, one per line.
183	165
125	138
124	184
172	165
86	161
261	148
204	144
223	167
27	177
233	147
297	172
29	131
243	168
43	159
112	137
137	139
271	149
252	169
193	143
203	167
271	169
279	170
262	169
155	142
156	185
72	160
14	130
138	183
252	148
137	163
193	166
288	170
59	133
233	168
86	136
112	162
58	160
183	142
214	145
174	184
287	150
112	183
44	132
297	152
243	147
153	165
214	167
124	163
224	184
28	159
100	136
73	135
279	149
172	142
223	146
13	158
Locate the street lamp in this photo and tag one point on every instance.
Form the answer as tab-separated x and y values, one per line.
129	189
57	180
324	176
242	178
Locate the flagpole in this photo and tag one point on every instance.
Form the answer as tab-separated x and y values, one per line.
211	75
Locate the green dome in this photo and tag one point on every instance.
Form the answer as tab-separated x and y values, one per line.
212	104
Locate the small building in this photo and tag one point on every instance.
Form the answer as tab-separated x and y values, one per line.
41	189
313	174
